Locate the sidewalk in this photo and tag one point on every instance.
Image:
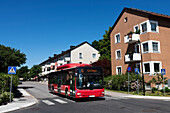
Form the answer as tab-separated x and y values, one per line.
123	95
18	103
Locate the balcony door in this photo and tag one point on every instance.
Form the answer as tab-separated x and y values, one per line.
137	48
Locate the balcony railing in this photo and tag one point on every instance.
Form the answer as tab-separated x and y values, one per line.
133	57
131	39
67	59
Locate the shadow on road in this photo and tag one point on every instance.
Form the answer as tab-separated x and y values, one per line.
25	87
81	99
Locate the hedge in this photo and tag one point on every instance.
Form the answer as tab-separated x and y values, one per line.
5	81
120	82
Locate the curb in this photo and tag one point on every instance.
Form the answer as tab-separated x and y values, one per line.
25	94
149	97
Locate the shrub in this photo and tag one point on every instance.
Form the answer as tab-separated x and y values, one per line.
154	89
5	97
167	90
120	82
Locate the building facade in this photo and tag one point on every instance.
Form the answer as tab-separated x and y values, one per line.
141	39
82	53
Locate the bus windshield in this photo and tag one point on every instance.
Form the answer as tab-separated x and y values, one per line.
89	78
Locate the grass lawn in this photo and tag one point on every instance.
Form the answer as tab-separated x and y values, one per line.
141	93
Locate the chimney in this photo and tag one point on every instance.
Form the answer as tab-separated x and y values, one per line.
71	47
55	55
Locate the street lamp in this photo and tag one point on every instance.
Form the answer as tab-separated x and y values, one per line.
142	68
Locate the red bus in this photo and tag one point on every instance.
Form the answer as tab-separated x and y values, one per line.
77	81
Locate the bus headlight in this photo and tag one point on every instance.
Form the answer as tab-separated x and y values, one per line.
78	93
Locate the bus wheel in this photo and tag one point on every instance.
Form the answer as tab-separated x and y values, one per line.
52	90
66	94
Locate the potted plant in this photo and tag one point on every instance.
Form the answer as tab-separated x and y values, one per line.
137	31
130	34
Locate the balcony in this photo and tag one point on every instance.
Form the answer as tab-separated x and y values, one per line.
133	57
67	59
131	39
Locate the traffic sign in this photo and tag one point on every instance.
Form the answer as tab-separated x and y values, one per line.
136	70
12	70
129	69
163	72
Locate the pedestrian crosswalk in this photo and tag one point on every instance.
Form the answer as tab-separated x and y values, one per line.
48	102
55	101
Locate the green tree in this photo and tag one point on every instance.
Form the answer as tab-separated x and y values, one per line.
158	80
10	57
22	71
35	70
103	45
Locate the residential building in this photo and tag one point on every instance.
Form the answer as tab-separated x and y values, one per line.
82	53
147	50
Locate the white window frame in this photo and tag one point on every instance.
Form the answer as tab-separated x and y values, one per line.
157	28
148	22
151	64
143	49
81	55
136	47
117	69
134	27
116	42
116	54
150	47
159	50
94	54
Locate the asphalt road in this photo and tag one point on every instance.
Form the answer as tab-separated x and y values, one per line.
52	103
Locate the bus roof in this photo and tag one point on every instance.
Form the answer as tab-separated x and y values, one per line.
72	65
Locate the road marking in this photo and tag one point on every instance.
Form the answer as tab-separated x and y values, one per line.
60	101
69	100
48	102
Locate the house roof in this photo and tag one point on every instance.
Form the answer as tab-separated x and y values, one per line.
139	12
65	52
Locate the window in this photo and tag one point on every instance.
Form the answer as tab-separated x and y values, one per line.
80	56
156	67
136	28
144	27
117	38
151	46
153	26
145	47
119	70
149	26
118	54
125	20
155	46
147	67
94	55
152	67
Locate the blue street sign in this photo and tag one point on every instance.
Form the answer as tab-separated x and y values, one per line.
12	70
163	72
136	70
129	69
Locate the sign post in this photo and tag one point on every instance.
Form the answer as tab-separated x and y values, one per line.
137	72
129	70
163	72
11	70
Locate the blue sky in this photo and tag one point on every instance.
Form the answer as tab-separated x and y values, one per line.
41	28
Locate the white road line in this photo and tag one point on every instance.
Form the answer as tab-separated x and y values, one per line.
60	101
69	100
48	102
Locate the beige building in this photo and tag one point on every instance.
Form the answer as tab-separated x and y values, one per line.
148	49
82	53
